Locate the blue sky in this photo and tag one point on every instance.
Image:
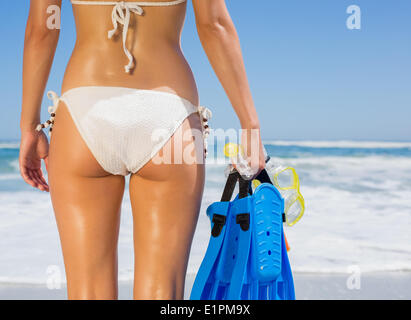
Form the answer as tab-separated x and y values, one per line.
311	77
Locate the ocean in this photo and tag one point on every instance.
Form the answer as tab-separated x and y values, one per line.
358	212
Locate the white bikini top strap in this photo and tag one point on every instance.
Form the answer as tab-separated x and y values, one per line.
121	15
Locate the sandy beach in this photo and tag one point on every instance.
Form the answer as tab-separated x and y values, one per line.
374	286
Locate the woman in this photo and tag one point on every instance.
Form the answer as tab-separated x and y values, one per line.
116	93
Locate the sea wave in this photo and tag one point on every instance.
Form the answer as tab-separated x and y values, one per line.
301	143
9	145
10	176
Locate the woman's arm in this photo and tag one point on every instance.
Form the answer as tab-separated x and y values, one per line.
39	47
221	43
40	44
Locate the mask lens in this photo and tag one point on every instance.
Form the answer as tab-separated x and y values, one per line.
285	179
294	210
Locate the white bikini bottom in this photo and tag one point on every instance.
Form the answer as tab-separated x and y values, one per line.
118	124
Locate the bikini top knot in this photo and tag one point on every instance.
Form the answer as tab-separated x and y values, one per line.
121	15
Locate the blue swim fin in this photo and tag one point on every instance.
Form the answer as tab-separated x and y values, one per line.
266	274
214	276
246	257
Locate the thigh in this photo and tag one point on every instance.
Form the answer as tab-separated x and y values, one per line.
165	200
87	202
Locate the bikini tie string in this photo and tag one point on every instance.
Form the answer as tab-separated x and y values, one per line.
52	110
205	115
121	15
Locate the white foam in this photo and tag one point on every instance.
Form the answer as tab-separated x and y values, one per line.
15	164
358	213
10	176
9	145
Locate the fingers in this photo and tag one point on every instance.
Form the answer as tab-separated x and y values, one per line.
46	162
34	178
33	147
41	177
257	164
38	174
30	179
249	167
37	177
260	166
25	173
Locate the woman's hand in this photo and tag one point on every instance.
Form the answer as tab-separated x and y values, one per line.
34	146
253	150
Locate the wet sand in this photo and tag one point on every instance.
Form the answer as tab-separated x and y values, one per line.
379	286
